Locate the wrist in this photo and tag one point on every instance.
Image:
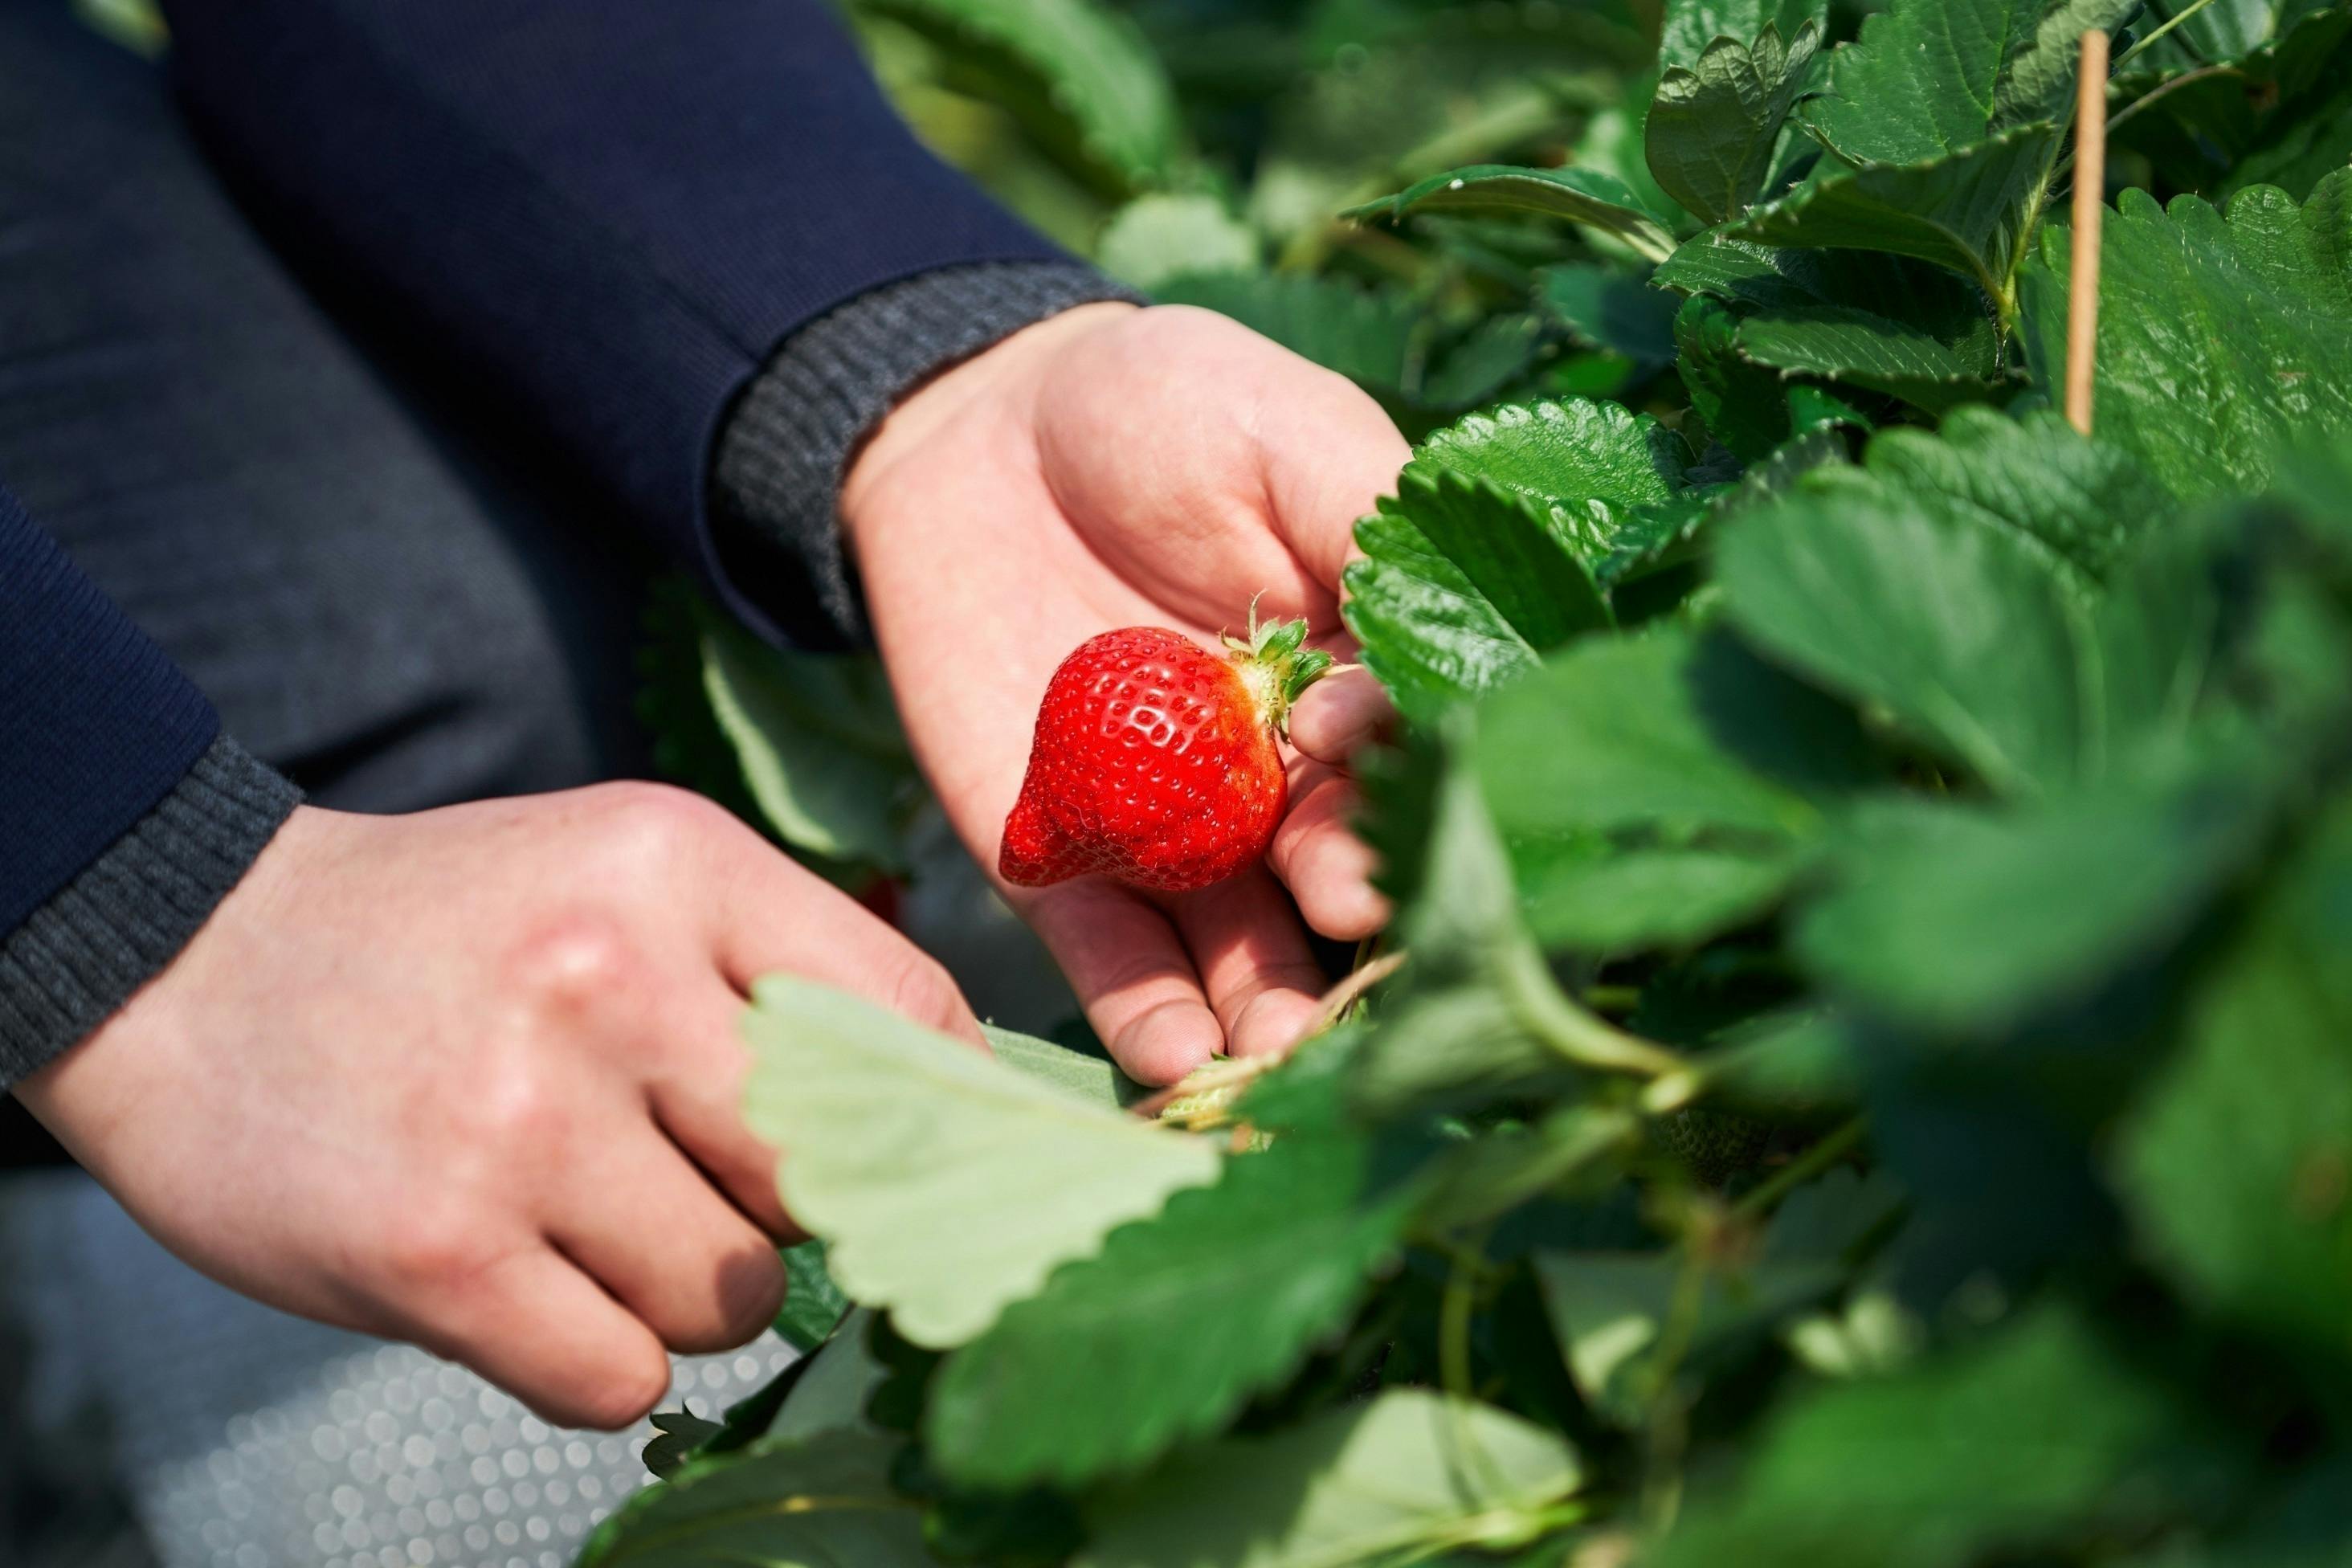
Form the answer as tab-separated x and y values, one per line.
1000	377
85	1090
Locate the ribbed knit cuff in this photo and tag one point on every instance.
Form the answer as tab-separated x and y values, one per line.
789	439
128	913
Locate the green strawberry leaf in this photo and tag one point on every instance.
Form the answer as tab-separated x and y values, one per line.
1449	1031
813	1302
2037	77
1927	79
2274	116
1656	733
1690	26
2211	34
1858	348
1595	896
1083	1073
1970	210
2043	1434
946	1185
1479	364
1761	278
1715	123
1371	1482
1366	335
2087	501
1462	584
1580	195
818	739
803	1502
2295	152
2236	1163
1943	110
1591	465
678	1436
1632	819
1608	308
1969	635
2224	338
1959	918
1741	402
1382	339
834	1388
1178	1320
1165	235
1078	75
2268	118
1610	1309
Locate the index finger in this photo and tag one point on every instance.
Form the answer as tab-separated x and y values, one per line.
774	916
1326	453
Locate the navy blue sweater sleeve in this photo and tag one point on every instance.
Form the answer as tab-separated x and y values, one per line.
612	210
97	724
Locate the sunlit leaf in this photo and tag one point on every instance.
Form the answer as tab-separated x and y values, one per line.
945	1183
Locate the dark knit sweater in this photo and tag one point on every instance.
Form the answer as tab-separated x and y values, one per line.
764	260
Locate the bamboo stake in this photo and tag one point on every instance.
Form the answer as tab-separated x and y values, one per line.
2090	207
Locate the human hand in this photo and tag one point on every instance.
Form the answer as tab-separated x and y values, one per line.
1117	466
471	1078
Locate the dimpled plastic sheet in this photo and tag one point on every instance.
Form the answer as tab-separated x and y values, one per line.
245	1438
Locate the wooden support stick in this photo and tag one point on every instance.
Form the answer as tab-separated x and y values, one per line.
2090	207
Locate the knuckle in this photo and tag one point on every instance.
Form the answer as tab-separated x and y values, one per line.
618	1392
745	1286
569	960
752	1290
430	1250
519	1107
650	826
919	987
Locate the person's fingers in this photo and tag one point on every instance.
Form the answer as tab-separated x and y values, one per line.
1338	715
770	915
1131	974
698	1097
1320	858
1326	454
1260	976
653	1231
541	1329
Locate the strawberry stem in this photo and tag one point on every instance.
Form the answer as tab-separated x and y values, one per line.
1276	665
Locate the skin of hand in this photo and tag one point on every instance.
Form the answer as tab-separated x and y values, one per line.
1109	466
471	1078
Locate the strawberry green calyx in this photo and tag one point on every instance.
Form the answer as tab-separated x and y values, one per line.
1276	665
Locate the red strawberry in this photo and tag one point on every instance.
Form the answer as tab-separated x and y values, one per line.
1155	759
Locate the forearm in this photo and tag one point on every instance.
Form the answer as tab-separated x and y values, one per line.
617	214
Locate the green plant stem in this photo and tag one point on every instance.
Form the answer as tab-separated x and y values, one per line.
1662	1490
1515	120
1568	1029
1498	1530
1597	1137
1467	1260
1681	1325
1454	1310
2179	17
1613	998
2004	292
2201	73
1832	1147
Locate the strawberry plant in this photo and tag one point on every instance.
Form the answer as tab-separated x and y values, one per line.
1862	1072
